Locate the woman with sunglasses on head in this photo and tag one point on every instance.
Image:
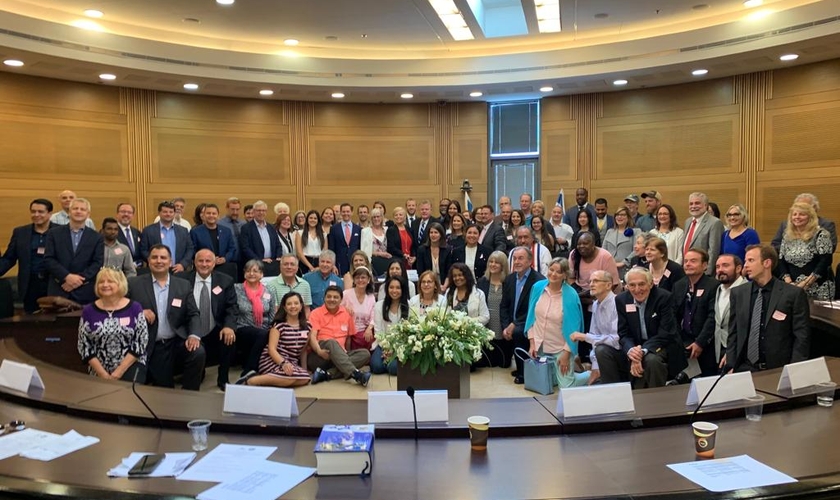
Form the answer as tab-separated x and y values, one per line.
738	235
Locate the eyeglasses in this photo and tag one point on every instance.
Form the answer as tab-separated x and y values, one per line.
13	426
596	281
733	215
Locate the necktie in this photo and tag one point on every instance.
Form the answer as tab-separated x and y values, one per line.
128	239
205	309
347	234
421	231
642	325
535	251
483	233
755	329
689	236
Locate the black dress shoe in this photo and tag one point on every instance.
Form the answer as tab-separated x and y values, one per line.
513	373
221	385
519	380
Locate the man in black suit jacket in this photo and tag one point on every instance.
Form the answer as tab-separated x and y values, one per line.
27	248
651	351
694	307
421	223
492	234
218	319
174	334
514	308
252	238
73	255
181	248
782	334
344	239
582	203
129	235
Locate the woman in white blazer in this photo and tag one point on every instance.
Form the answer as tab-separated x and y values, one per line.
464	296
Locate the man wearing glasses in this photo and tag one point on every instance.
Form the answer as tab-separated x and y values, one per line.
603	329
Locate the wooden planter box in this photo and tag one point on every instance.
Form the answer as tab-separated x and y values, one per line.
450	377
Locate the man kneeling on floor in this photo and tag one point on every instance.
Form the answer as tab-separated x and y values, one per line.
329	338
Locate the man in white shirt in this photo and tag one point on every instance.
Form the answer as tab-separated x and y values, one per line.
604	325
410	213
562	232
542	256
128	234
492	235
728	273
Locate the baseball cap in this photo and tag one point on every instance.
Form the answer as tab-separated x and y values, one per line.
652	194
632	197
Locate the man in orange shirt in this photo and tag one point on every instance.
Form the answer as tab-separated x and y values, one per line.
331	328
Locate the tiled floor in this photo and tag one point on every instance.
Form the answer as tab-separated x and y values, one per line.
484	383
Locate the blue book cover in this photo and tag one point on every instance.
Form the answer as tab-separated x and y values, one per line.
345	438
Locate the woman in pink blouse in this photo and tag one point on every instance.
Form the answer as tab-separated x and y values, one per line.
359	302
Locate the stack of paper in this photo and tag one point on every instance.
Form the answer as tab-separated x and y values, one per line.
40	445
172	465
732	473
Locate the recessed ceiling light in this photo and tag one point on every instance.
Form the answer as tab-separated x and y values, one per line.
225	2
266	92
13	63
291	42
191	86
546	89
337	95
87	24
94	13
476	94
620	82
407	96
753	3
699	72
107	76
789	57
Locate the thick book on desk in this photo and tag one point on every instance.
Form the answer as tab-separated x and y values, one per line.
344	450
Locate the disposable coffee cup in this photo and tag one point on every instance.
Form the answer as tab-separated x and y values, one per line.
479	429
825	394
754	408
199	430
704	439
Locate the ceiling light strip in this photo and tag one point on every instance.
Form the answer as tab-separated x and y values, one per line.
452	18
548	15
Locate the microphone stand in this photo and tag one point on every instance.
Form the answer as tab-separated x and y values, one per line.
410	391
134	390
693	415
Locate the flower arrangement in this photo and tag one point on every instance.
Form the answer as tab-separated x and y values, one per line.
441	336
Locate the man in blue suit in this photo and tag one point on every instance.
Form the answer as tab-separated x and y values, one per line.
259	241
173	236
344	239
27	248
73	255
213	236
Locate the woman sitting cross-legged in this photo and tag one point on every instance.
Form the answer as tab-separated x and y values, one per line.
387	312
554	313
282	360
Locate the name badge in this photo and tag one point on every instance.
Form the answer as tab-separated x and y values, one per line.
125	321
335	283
217	290
118	251
267	296
631	308
176	302
779	315
41	251
667	273
343	328
699	292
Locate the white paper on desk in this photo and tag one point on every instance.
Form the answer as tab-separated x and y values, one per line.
732	387
19	376
255	400
263	480
395	406
59	446
600	399
727	474
171	465
803	374
226	461
20	441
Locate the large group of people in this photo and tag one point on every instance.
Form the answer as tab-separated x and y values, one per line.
626	296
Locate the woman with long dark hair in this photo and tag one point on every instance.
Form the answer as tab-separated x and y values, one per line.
464	296
388	311
310	242
587	225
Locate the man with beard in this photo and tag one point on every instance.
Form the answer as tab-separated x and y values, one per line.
728	272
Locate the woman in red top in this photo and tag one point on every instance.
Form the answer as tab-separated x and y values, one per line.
398	237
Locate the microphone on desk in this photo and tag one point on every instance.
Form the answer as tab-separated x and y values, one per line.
723	372
410	391
134	390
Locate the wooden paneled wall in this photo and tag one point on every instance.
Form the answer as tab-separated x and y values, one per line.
759	139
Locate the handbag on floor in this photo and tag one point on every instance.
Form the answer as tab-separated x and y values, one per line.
538	372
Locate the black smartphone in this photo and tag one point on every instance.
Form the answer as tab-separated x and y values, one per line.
146	465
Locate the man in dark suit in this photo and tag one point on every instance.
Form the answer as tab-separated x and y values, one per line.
217	307
603	221
258	240
768	318
174	236
702	229
651	351
420	230
27	248
345	238
514	308
174	325
129	235
218	238
694	307
492	234
582	203
73	255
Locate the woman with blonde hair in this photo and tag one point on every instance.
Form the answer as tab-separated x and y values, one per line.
537	209
806	252
357	259
491	285
374	242
739	235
